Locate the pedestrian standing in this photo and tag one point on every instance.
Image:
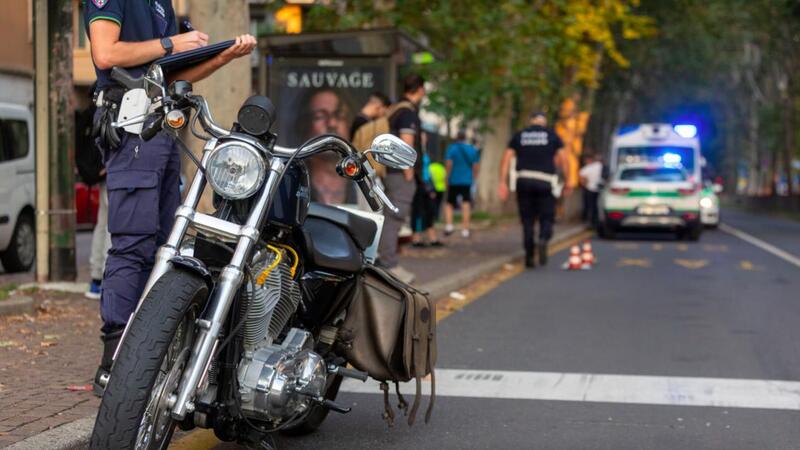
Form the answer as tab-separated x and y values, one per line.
142	177
590	176
423	208
376	106
400	184
439	179
539	151
462	163
89	163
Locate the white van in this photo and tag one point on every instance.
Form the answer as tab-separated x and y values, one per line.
17	188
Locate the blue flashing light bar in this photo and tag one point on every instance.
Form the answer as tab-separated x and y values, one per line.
671	158
686	131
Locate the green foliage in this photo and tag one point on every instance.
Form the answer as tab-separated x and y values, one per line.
534	53
731	61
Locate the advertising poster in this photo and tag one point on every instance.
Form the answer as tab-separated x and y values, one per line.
319	96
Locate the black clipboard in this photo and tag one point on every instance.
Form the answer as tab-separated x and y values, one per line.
183	60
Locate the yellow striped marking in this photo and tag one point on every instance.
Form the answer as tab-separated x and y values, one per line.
749	266
205	439
199	439
692	264
634	262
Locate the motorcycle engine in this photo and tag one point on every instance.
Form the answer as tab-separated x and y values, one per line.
277	380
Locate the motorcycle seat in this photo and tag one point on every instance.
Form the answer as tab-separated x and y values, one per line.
361	229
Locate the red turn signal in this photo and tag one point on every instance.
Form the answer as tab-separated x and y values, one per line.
620	190
616	215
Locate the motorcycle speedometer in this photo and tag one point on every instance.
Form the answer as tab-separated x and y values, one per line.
235	170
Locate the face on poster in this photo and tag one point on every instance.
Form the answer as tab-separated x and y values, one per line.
319	96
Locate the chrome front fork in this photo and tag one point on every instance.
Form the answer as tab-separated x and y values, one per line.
230	281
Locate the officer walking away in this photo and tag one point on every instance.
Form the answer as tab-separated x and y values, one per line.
539	151
400	184
142	177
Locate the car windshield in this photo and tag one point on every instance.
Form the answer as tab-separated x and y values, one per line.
658	155
657	174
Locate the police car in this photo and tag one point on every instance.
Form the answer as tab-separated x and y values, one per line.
651	195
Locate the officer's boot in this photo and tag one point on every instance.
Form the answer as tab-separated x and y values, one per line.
530	257
542	250
110	341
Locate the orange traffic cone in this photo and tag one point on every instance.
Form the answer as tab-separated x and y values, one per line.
587	256
574	262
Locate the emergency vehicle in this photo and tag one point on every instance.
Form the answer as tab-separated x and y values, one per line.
655	176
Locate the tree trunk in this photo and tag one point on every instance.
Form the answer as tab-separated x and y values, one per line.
493	149
59	143
226	89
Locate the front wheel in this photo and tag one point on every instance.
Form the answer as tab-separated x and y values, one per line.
134	413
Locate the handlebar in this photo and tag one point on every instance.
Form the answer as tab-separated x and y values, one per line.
374	194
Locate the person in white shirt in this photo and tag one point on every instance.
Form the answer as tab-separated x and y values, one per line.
590	176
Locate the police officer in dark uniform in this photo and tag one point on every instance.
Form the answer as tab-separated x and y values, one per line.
143	177
539	151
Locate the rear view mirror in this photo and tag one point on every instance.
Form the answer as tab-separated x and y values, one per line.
391	151
154	81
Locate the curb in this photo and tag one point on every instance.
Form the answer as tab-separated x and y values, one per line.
71	436
75	435
440	288
58	286
16	304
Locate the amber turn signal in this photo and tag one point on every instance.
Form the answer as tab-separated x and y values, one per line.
175	119
351	168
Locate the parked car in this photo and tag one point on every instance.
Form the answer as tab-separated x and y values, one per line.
17	188
647	195
709	204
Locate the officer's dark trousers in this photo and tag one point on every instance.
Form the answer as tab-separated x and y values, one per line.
536	203
143	194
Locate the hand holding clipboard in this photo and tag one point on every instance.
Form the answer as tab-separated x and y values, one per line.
230	50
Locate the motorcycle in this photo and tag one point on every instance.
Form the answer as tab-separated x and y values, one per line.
236	327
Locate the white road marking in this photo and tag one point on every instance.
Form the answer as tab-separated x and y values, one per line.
605	388
766	246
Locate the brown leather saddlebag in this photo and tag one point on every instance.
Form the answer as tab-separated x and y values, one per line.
390	333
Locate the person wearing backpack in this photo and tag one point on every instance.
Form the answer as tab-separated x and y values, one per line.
461	162
400	184
376	106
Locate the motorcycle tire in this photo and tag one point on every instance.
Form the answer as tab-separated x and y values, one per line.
317	415
173	303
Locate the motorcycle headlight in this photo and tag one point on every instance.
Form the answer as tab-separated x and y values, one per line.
235	170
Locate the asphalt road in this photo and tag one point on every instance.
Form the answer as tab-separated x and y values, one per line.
663	345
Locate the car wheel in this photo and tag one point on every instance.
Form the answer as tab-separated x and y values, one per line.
607	231
21	250
693	233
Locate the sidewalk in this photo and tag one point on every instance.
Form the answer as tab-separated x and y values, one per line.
57	348
41	355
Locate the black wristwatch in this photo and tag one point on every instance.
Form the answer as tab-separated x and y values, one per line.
167	44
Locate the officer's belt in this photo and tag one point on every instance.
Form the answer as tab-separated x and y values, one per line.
107	100
551	178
